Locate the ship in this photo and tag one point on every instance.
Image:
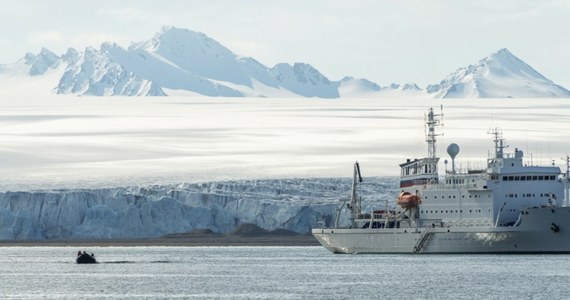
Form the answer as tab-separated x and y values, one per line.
510	206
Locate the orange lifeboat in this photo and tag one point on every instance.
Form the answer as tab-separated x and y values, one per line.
407	200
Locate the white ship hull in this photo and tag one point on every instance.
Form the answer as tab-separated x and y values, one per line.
540	230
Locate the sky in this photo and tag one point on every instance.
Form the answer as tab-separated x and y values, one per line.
384	41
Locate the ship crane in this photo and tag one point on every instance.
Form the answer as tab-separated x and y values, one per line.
355	201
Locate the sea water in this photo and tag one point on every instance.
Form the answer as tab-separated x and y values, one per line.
275	273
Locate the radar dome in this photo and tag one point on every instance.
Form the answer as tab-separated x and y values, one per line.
453	150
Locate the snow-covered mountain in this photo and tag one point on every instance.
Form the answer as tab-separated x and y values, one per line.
501	75
183	62
174	62
292	204
350	87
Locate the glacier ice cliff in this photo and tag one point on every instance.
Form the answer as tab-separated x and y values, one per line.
137	212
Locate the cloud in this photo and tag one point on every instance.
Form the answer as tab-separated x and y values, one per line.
46	37
132	14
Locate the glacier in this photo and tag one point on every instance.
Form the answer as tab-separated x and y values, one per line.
152	211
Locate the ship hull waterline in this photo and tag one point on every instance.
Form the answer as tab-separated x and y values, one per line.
540	230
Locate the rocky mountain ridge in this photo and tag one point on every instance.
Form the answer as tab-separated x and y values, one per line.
183	62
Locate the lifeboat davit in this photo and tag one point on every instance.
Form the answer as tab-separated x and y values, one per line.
407	200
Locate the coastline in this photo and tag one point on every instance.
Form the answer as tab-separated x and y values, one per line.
173	241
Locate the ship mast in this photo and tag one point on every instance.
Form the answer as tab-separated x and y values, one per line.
566	182
432	120
499	142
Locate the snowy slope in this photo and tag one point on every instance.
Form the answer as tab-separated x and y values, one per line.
350	87
33	75
501	75
294	204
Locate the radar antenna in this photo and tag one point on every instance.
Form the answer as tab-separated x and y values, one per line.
499	142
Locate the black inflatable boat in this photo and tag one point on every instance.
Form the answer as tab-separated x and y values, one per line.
85	258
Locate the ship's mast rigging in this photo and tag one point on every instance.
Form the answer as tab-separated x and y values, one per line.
433	120
499	142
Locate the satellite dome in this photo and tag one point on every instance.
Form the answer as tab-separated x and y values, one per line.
453	150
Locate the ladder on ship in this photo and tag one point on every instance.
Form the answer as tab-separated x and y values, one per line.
424	237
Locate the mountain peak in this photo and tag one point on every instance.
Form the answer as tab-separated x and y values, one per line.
499	75
503	51
173	37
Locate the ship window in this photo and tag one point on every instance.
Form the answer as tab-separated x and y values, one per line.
469	196
540	177
517	178
449	196
504	178
462	196
529	178
435	197
461	210
446	211
552	177
442	211
534	177
470	211
453	196
511	178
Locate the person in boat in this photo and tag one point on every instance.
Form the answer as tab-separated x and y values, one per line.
79	253
93	255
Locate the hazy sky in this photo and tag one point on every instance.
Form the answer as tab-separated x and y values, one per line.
384	41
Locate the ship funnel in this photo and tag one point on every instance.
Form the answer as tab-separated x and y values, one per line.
453	150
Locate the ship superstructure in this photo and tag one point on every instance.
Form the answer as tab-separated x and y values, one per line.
508	206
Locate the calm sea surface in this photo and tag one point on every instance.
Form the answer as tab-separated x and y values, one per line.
275	273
